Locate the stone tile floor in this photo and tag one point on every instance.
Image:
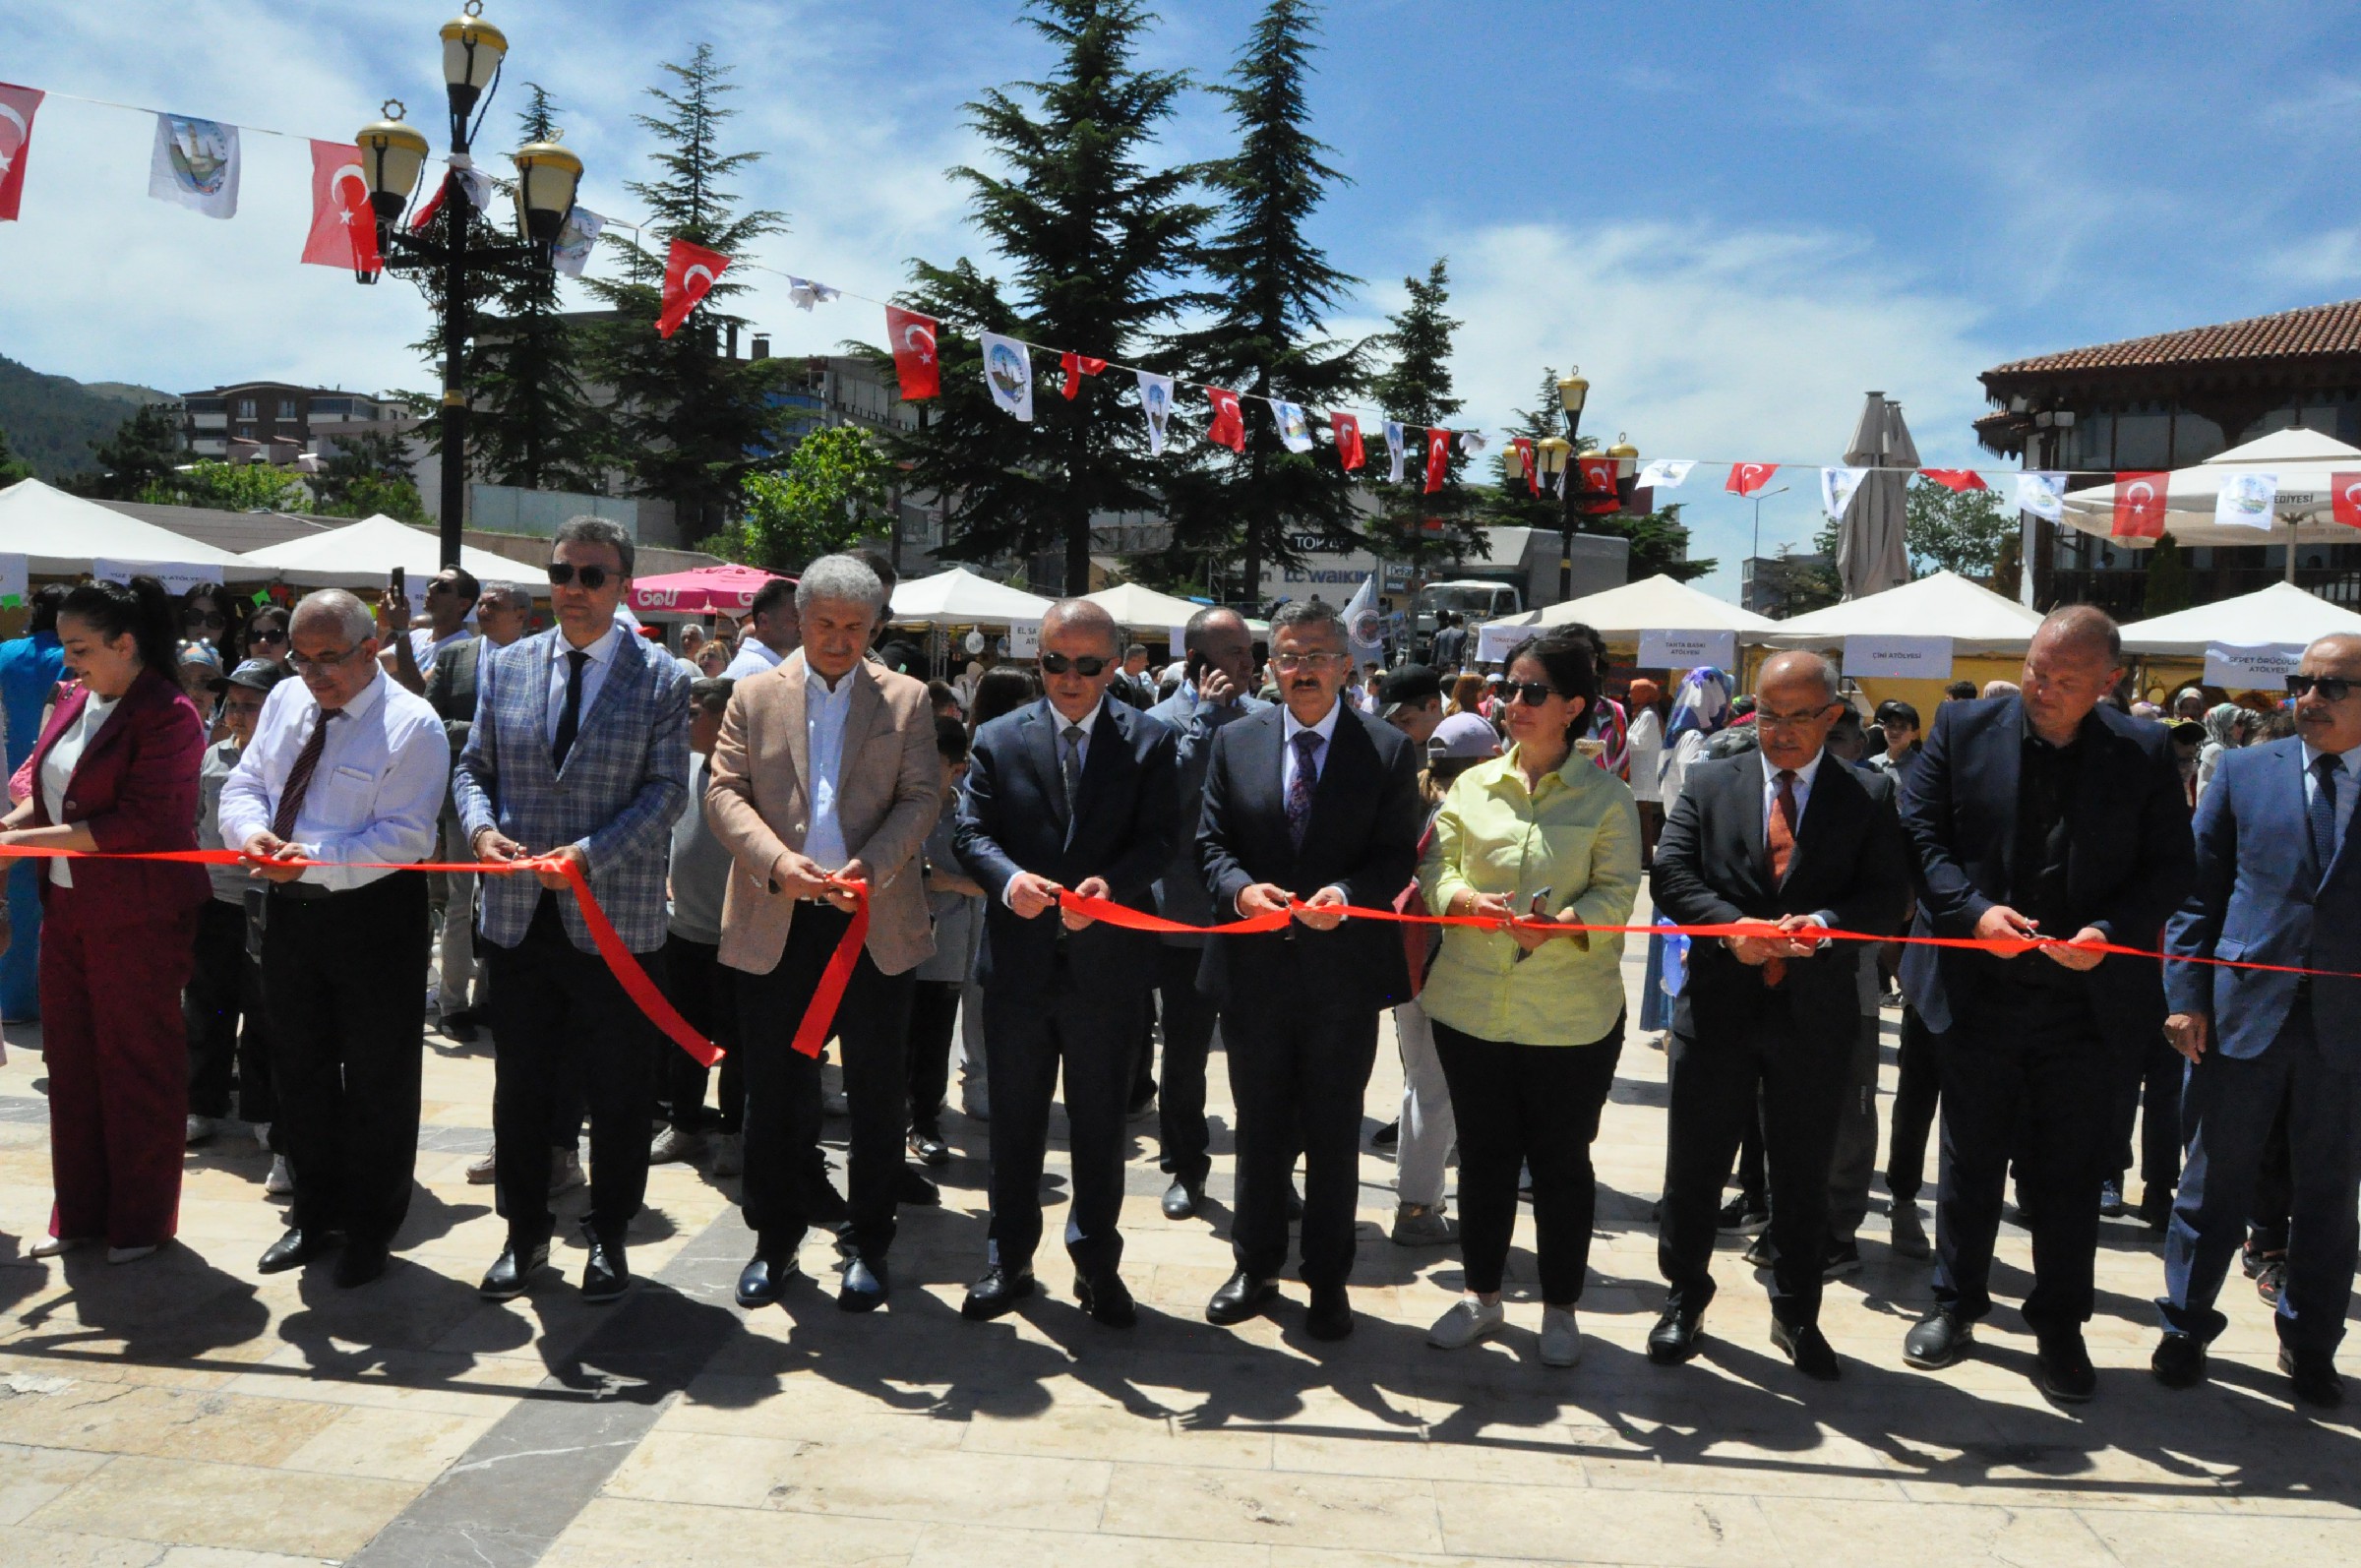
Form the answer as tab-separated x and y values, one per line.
186	1410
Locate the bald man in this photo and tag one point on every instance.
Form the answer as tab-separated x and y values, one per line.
2042	818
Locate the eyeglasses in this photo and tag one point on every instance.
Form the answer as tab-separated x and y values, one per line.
327	662
267	633
1533	694
594	579
1789	721
210	620
2331	688
1085	666
1290	663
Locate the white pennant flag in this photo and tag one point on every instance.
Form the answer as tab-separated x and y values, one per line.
1472	442
576	236
1666	473
195	165
1156	403
802	293
480	188
1393	446
2247	501
1008	375
2041	494
1294	431
1837	486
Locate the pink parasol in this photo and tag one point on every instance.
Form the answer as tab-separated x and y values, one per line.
707	588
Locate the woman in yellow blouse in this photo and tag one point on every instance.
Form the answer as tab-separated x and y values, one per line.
1529	1023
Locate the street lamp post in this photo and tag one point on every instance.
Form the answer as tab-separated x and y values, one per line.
1558	460
392	155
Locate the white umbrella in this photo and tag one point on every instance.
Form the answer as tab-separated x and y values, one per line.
1132	605
59	534
1945	605
2281	616
959	597
2305	464
1662	603
368	551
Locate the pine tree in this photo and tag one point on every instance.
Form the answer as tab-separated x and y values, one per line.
142	453
1092	234
12	467
689	422
1514	504
1269	290
1416	389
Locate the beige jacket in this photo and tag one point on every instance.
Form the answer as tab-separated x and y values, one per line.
758	800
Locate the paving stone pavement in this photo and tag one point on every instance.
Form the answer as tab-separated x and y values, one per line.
186	1410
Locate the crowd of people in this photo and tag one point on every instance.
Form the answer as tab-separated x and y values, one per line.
735	806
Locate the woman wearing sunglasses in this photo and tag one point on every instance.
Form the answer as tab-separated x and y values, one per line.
1529	1022
267	636
208	615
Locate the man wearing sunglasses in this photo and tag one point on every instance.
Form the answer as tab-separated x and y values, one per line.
578	752
1073	792
2275	884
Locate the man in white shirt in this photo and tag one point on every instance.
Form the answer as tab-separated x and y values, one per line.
411	652
346	766
774	632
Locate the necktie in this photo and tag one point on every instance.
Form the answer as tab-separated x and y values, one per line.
569	718
1071	765
299	778
1299	790
1779	835
2322	812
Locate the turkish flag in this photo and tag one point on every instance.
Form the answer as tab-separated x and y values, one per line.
2345	490
1438	460
1077	366
1229	425
2139	506
1522	445
17	108
912	338
1347	430
1599	483
1746	478
344	224
689	274
1960	479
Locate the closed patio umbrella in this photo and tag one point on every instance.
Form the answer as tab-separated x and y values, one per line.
1871	554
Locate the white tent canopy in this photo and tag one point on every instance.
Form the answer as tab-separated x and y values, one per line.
59	534
2281	616
1659	603
1946	605
368	551
959	597
2305	462
1134	606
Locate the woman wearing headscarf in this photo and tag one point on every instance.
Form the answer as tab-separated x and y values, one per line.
1700	711
2226	726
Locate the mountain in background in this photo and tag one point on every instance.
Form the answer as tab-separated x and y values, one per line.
52	420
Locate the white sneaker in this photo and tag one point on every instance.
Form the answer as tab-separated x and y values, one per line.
1468	1321
201	1128
280	1183
484	1172
674	1144
564	1170
51	1247
1561	1337
729	1154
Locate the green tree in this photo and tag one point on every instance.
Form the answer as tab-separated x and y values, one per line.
1790	584
827	496
689	422
12	467
1091	235
231	487
1416	388
369	473
1269	290
1954	531
1514	502
1660	543
143	452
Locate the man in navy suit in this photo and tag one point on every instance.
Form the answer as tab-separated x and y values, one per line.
2042	819
1074	792
2275	886
1311	801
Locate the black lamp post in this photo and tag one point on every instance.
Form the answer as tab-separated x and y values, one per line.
1559	462
462	263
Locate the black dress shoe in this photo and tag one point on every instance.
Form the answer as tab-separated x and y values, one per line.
1331	1313
294	1249
1938	1340
1181	1199
509	1275
823	1205
459	1027
607	1274
2179	1361
915	1189
1240	1297
1388	1136
763	1278
2155	1212
1106	1300
2315	1378
1295	1204
928	1148
1676	1334
2062	1367
360	1262
865	1285
1807	1348
997	1294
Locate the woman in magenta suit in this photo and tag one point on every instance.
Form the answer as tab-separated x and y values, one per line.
116	771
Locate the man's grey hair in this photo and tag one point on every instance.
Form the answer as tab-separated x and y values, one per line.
1192	636
1086	615
847	580
589	529
505	597
1801	662
345	611
1314	614
2083	626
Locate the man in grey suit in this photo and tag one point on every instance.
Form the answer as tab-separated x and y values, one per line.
578	751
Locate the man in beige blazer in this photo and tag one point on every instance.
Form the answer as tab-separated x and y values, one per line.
824	775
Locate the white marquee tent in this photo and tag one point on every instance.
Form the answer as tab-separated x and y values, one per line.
59	535
2281	616
959	597
1660	603
1134	606
368	551
1945	605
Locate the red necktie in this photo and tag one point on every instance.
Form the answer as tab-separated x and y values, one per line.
299	778
1779	834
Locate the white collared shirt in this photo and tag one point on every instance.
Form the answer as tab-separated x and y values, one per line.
1289	727
594	676
751	659
1803	788
57	769
1058	728
825	713
2348	784
375	793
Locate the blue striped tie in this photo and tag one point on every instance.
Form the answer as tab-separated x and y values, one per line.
2322	812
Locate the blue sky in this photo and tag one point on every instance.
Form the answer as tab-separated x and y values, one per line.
1736	217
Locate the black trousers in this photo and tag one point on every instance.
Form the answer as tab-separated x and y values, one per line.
2274	1188
2025	1075
1299	1073
2148	1090
344	980
707	995
1091	1037
1538	1107
222	1006
1800	1081
783	1093
1189	1019
1917	1093
560	1017
933	1017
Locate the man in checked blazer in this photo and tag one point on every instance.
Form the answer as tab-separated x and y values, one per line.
580	751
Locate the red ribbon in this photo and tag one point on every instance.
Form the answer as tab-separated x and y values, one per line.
812	1033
